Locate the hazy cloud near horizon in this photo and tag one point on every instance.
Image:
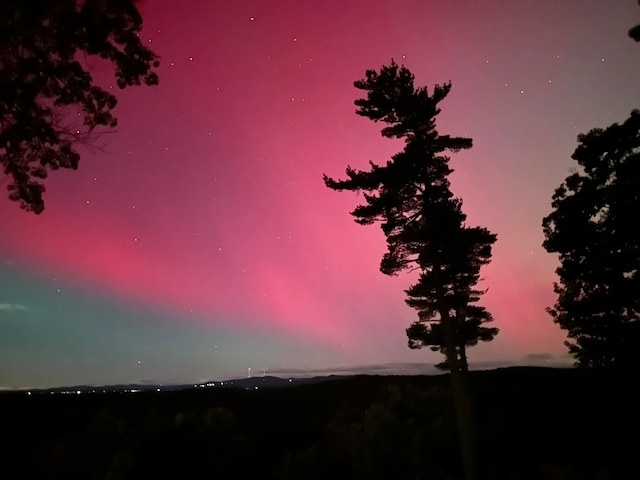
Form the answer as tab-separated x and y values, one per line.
532	359
12	306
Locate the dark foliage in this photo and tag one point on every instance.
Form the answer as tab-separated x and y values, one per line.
356	428
422	220
470	323
593	228
425	227
48	99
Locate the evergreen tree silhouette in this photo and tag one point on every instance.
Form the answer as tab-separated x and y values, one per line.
424	226
48	100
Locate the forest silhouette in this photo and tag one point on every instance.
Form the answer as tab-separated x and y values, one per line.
514	423
532	423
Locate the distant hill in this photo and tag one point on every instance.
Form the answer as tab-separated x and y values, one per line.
251	383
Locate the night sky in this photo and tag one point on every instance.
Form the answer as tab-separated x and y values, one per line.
198	240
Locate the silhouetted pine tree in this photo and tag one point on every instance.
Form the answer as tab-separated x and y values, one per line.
424	225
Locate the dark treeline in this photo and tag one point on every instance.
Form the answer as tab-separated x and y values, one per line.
533	423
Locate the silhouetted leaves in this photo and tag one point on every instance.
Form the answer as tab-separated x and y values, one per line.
422	220
425	226
593	228
48	100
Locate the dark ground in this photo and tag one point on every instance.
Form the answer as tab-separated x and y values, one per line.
533	423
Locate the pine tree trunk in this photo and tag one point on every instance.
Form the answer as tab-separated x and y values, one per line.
464	365
461	402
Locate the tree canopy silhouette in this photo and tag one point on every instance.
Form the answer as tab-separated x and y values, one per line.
424	224
48	100
422	220
593	228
